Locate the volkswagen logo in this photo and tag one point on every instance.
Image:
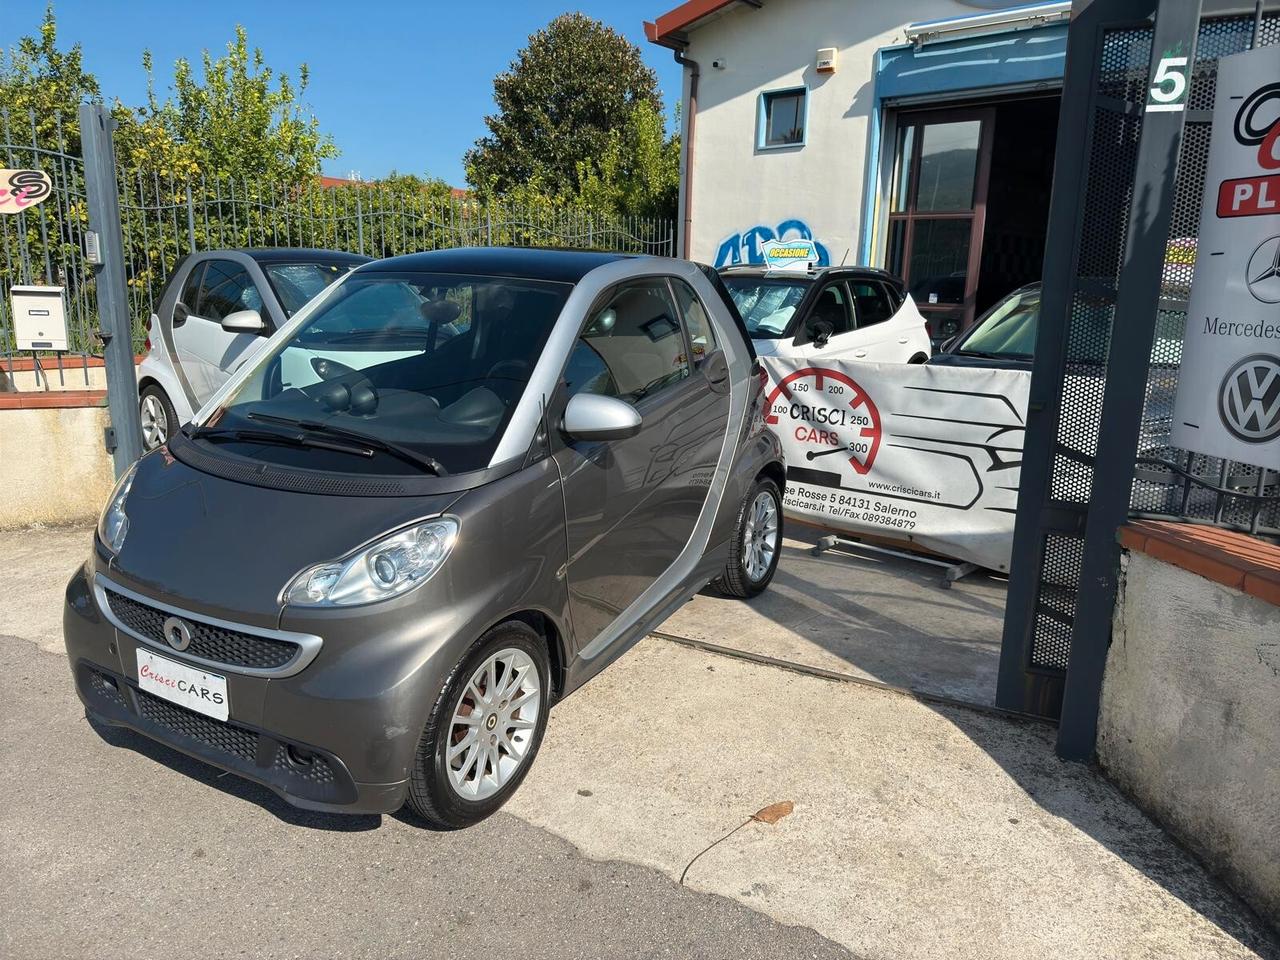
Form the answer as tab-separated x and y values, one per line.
1249	399
177	633
1263	273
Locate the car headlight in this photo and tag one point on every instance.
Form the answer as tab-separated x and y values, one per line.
386	568
113	525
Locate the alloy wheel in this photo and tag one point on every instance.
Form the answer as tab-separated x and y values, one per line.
493	724
760	536
155	423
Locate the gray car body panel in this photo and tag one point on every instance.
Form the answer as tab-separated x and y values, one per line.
547	543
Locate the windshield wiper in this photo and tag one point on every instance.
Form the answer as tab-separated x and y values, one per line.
407	454
276	438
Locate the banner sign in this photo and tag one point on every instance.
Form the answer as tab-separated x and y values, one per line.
790	254
20	189
1228	402
930	455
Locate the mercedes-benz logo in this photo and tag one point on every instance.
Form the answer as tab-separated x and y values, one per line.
177	633
1263	272
1249	399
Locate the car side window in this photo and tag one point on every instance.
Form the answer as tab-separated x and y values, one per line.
191	289
696	320
226	289
630	348
833	307
872	302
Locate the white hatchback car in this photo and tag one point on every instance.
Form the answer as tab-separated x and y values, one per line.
217	309
832	313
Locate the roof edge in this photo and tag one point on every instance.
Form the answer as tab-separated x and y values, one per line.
667	29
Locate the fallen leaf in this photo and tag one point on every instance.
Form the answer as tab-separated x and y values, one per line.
774	812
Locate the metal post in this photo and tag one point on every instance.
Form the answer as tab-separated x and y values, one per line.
191	220
360	222
1132	331
96	129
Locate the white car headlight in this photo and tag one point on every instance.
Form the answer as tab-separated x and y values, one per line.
113	525
386	568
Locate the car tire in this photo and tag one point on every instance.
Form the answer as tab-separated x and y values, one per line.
159	418
453	785
757	544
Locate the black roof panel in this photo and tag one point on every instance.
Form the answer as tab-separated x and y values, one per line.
527	263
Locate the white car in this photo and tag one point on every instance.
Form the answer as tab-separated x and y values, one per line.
217	309
831	313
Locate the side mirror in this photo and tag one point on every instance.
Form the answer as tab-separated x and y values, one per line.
820	332
243	321
590	416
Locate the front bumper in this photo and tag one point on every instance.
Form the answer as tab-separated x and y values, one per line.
318	769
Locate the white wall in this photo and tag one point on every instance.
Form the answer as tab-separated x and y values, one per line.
737	187
1190	719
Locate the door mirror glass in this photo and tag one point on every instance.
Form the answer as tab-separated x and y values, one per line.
243	321
593	416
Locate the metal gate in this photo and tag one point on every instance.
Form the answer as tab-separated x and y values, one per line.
1118	265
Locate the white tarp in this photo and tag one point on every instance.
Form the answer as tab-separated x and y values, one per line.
1228	401
920	453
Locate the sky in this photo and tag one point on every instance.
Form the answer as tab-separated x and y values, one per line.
398	84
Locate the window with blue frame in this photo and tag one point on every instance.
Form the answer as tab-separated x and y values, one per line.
782	117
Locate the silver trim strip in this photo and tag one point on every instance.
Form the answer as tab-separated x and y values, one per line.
308	644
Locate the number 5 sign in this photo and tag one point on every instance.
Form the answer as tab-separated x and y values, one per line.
1168	90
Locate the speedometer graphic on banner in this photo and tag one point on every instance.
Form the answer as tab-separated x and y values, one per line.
830	413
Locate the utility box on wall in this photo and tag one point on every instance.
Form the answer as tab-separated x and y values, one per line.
39	318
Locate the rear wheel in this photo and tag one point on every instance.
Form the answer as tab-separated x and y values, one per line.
757	542
484	730
159	419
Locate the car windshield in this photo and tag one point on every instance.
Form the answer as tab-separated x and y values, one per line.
766	303
1009	329
424	368
296	283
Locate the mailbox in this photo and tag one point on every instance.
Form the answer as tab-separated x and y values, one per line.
39	318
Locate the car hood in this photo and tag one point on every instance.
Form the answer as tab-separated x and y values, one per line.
227	549
768	348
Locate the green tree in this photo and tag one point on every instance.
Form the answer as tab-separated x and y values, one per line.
36	77
236	117
574	84
637	173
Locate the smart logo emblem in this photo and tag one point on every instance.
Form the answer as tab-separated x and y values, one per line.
1249	399
1263	273
178	633
829	410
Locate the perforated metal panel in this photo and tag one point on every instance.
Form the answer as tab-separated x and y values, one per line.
1161	485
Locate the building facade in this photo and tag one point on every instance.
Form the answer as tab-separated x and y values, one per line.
915	135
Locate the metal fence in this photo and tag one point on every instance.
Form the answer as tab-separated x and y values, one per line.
164	218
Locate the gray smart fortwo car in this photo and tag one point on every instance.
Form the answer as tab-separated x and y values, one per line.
448	492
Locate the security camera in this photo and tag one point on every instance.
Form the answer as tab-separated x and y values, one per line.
718	63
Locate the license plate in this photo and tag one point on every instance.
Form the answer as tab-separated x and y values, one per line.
176	682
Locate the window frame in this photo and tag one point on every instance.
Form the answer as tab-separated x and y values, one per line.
762	117
197	311
694	363
875	284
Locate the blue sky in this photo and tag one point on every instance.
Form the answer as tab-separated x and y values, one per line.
398	84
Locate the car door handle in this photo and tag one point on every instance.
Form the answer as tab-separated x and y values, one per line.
902	339
860	354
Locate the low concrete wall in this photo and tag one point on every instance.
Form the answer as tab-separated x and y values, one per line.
1190	719
53	467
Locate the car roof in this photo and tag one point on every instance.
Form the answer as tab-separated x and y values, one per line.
305	254
527	263
818	273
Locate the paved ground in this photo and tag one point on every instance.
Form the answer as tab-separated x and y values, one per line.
865	615
916	832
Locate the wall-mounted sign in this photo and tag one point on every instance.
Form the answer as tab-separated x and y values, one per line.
789	254
20	189
1228	402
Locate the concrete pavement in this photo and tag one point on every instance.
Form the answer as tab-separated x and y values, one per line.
917	831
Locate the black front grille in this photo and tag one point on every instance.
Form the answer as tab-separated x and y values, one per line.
218	644
194	726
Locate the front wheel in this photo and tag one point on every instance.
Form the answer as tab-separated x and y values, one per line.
757	542
484	730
